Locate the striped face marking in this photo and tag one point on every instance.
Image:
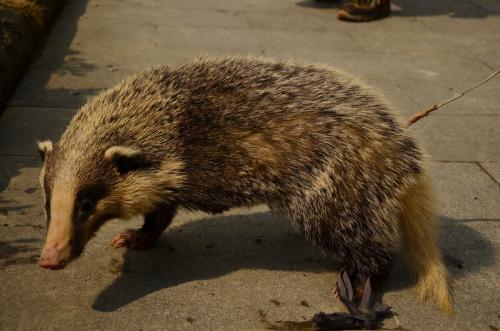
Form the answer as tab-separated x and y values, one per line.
57	249
45	148
61	212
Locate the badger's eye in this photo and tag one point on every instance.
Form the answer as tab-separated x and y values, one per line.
85	206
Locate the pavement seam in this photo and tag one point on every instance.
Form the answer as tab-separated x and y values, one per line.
248	19
487	220
460	161
426	25
487	172
486	64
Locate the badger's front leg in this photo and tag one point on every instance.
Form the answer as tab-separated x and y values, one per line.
154	224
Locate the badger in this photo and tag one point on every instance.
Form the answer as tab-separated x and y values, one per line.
309	141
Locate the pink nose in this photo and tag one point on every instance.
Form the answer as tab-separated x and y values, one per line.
51	260
54	265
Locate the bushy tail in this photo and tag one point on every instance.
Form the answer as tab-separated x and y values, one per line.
418	225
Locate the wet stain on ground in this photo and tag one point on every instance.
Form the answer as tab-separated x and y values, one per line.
262	316
115	266
34	226
33	259
275	302
18	252
452	261
13	211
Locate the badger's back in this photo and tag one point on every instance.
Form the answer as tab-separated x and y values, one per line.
253	131
266	131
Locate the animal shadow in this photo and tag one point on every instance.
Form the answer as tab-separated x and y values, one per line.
219	245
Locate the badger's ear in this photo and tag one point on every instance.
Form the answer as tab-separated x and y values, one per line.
126	159
45	148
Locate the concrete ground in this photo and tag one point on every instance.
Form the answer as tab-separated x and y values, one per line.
247	269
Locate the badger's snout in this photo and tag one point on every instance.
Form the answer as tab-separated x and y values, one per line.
54	257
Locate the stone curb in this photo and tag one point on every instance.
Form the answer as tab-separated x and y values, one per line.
23	25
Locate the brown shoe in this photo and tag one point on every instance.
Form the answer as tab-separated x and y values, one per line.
364	10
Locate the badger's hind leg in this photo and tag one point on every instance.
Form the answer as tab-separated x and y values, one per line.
154	224
355	291
363	241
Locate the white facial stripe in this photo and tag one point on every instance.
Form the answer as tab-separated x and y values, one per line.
42	185
41	179
61	214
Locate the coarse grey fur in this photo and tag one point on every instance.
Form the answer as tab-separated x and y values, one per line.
306	140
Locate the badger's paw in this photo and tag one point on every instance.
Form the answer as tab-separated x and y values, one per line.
133	239
355	291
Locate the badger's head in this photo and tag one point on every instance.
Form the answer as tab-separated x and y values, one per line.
83	190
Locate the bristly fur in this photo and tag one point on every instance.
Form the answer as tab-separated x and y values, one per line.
307	140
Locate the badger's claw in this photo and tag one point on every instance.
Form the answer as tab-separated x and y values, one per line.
133	239
335	292
363	311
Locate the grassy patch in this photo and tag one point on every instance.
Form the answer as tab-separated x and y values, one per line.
36	12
